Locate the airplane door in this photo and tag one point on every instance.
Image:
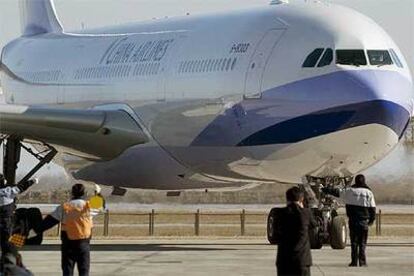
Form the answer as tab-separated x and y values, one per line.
258	63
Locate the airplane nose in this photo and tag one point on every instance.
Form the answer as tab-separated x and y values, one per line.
387	98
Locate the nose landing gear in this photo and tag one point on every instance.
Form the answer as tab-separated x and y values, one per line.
12	147
331	228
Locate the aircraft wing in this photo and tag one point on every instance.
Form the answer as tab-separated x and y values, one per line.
96	134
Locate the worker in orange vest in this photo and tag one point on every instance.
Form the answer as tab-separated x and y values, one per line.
76	218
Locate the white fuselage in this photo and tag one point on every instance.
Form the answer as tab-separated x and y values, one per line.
224	97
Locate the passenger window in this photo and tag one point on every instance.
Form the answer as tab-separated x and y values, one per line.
204	63
396	58
313	58
326	58
351	57
379	57
233	65
223	64
216	65
210	62
198	69
228	64
186	66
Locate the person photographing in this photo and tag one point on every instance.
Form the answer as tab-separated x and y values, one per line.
294	251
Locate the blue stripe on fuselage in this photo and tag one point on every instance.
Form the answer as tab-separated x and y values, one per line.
334	119
311	107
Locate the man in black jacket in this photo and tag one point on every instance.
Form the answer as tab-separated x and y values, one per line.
294	252
360	209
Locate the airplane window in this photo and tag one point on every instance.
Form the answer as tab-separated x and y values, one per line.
351	57
326	58
228	64
195	66
223	64
187	67
203	66
233	65
313	58
215	65
198	66
184	67
218	66
396	58
208	65
379	57
187	70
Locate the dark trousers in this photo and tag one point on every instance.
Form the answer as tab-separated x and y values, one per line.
6	217
75	252
293	271
359	236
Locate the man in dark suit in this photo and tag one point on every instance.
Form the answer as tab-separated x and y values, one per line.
294	252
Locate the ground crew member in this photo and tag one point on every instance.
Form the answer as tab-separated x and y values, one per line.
360	209
8	194
294	252
76	219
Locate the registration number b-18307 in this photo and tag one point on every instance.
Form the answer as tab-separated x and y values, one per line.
239	48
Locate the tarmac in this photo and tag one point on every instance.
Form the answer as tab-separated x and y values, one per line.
386	256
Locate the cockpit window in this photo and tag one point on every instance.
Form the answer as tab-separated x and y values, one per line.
379	57
326	58
313	58
351	57
396	58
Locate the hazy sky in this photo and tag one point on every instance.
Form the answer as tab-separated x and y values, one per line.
395	16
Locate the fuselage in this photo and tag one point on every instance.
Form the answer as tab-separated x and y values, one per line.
263	95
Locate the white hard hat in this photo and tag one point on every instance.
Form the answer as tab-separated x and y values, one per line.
97	188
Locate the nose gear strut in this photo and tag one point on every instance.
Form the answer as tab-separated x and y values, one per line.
12	147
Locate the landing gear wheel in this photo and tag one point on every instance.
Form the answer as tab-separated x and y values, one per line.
338	233
314	239
272	233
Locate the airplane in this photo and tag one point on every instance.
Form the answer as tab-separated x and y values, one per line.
308	94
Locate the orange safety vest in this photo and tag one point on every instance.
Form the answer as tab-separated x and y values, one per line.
77	223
